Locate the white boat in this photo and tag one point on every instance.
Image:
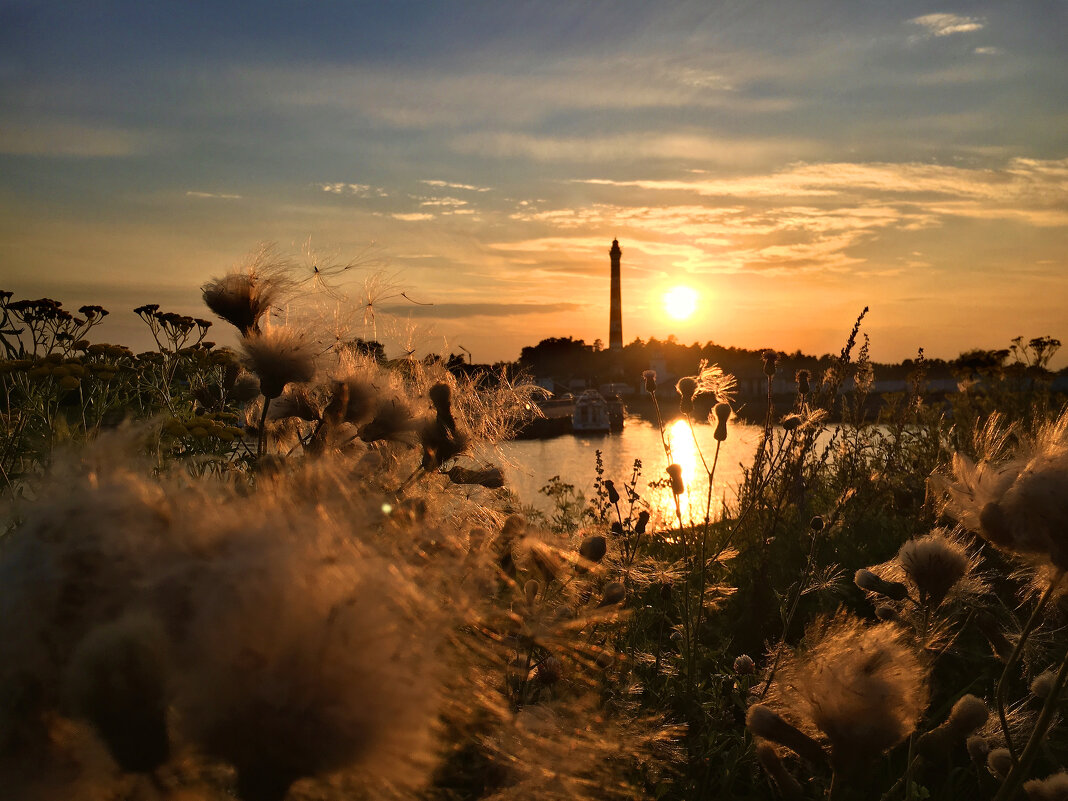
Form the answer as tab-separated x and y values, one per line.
591	413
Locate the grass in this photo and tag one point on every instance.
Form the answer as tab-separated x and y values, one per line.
321	593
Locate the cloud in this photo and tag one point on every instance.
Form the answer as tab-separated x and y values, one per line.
443	201
948	24
1019	185
217	195
358	190
449	185
453	311
413	217
988	51
630	147
806	218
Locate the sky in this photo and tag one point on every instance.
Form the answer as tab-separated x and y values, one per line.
790	161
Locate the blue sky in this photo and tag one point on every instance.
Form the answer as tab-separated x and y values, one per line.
791	161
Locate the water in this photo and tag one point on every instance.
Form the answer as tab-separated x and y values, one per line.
531	463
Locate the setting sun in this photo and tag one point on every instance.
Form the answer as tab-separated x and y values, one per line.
680	302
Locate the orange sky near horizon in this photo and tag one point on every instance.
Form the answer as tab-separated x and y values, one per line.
792	165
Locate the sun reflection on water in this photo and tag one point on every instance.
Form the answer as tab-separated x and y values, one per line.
684	452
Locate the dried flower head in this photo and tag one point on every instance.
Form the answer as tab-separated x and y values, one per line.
722	413
863	687
1042	684
593	548
1051	788
744	665
279	356
711	380
1018	503
678	485
686	387
802	377
489	477
764	722
771	358
243	297
870	582
294	402
769	759
649	376
999	762
935	563
967	715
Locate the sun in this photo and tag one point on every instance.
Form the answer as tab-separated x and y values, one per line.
680	302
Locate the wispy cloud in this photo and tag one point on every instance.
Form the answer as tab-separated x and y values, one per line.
443	201
630	147
215	195
948	24
450	185
412	217
808	218
358	190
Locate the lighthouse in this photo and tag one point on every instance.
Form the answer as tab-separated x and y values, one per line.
615	315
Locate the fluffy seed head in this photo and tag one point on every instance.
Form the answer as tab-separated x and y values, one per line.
863	687
279	356
935	563
1052	788
869	582
1042	684
1019	502
686	387
968	714
999	762
765	722
244	296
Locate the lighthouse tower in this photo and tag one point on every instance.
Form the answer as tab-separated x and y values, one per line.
615	315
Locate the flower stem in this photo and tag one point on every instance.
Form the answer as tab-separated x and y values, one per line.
1019	769
1014	659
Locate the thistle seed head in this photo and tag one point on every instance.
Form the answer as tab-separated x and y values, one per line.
686	387
862	686
678	486
593	548
744	665
869	582
1051	788
935	563
649	376
999	762
722	413
279	356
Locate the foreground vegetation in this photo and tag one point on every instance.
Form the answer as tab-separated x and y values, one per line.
293	571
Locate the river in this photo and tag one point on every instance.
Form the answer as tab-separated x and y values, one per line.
529	464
